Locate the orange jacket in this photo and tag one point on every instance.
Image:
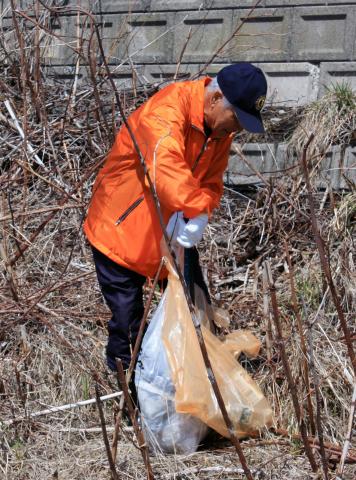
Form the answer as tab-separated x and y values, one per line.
185	166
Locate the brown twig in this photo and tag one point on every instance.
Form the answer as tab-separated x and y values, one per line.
137	429
319	424
114	473
303	346
182	53
314	443
348	438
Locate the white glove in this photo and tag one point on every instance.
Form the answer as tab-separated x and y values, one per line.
175	226
193	231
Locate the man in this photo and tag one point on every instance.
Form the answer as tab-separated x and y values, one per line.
184	133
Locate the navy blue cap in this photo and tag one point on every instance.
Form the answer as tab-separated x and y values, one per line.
245	87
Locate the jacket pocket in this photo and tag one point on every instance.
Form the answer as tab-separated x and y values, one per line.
129	210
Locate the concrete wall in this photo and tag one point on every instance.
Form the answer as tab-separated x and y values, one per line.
337	169
302	46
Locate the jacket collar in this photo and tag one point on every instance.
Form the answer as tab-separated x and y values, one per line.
197	103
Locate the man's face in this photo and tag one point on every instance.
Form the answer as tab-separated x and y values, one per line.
220	119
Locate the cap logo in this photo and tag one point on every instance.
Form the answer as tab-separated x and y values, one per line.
260	102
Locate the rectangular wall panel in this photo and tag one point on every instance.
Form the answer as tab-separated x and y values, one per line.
5	6
260	155
58	49
291	84
271	160
207	31
334	72
71	34
323	33
147	37
263	36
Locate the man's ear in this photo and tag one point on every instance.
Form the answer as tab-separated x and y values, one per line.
215	98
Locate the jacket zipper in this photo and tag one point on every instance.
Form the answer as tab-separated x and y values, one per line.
127	212
203	148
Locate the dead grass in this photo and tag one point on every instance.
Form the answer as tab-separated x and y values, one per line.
53	319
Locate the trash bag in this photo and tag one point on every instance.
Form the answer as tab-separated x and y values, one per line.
165	430
246	405
176	399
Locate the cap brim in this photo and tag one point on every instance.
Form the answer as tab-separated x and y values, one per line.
252	122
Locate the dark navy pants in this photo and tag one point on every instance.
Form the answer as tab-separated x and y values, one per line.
122	290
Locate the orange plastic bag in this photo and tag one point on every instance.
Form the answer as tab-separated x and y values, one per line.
246	405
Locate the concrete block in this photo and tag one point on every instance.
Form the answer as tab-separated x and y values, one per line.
291	84
165	73
263	158
323	33
69	5
113	32
209	30
326	172
145	37
263	37
336	170
68	29
7	33
332	73
276	161
142	37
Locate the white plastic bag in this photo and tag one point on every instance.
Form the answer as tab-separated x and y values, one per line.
165	430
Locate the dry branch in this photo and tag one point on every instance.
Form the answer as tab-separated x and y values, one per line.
133	415
114	473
